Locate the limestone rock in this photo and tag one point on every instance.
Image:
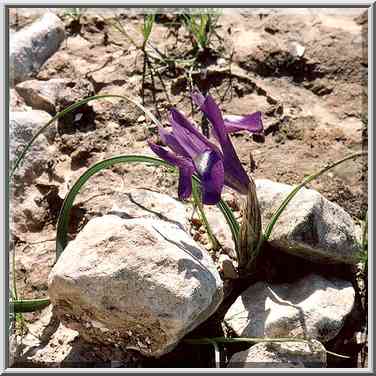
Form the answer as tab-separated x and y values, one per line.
16	102
55	94
41	95
311	226
137	283
136	203
281	355
33	45
313	307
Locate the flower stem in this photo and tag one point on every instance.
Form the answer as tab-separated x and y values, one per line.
197	199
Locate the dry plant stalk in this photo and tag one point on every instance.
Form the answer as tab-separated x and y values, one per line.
250	232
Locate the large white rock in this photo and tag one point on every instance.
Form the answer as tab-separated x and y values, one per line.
135	283
313	307
310	227
30	47
281	355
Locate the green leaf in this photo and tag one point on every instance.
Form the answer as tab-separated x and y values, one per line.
22	306
147	26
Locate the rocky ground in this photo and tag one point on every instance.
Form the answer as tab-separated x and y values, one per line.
306	70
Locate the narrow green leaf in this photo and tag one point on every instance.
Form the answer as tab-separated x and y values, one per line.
22	306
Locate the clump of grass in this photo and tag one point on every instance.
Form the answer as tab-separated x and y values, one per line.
146	31
73	13
201	28
147	27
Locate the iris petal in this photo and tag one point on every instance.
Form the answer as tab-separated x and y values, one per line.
185	182
188	133
213	113
172	142
252	123
209	165
185	165
235	176
176	160
194	153
198	98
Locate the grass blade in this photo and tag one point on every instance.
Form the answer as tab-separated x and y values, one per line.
22	306
147	27
231	221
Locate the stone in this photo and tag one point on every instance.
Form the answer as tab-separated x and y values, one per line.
105	197
296	49
14	345
16	102
22	127
33	45
312	307
41	95
289	354
55	94
311	226
140	284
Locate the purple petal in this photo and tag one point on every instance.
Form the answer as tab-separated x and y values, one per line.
235	176
187	134
185	182
186	169
176	160
198	98
213	113
210	168
251	123
171	141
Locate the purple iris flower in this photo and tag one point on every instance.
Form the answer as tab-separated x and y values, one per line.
193	153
